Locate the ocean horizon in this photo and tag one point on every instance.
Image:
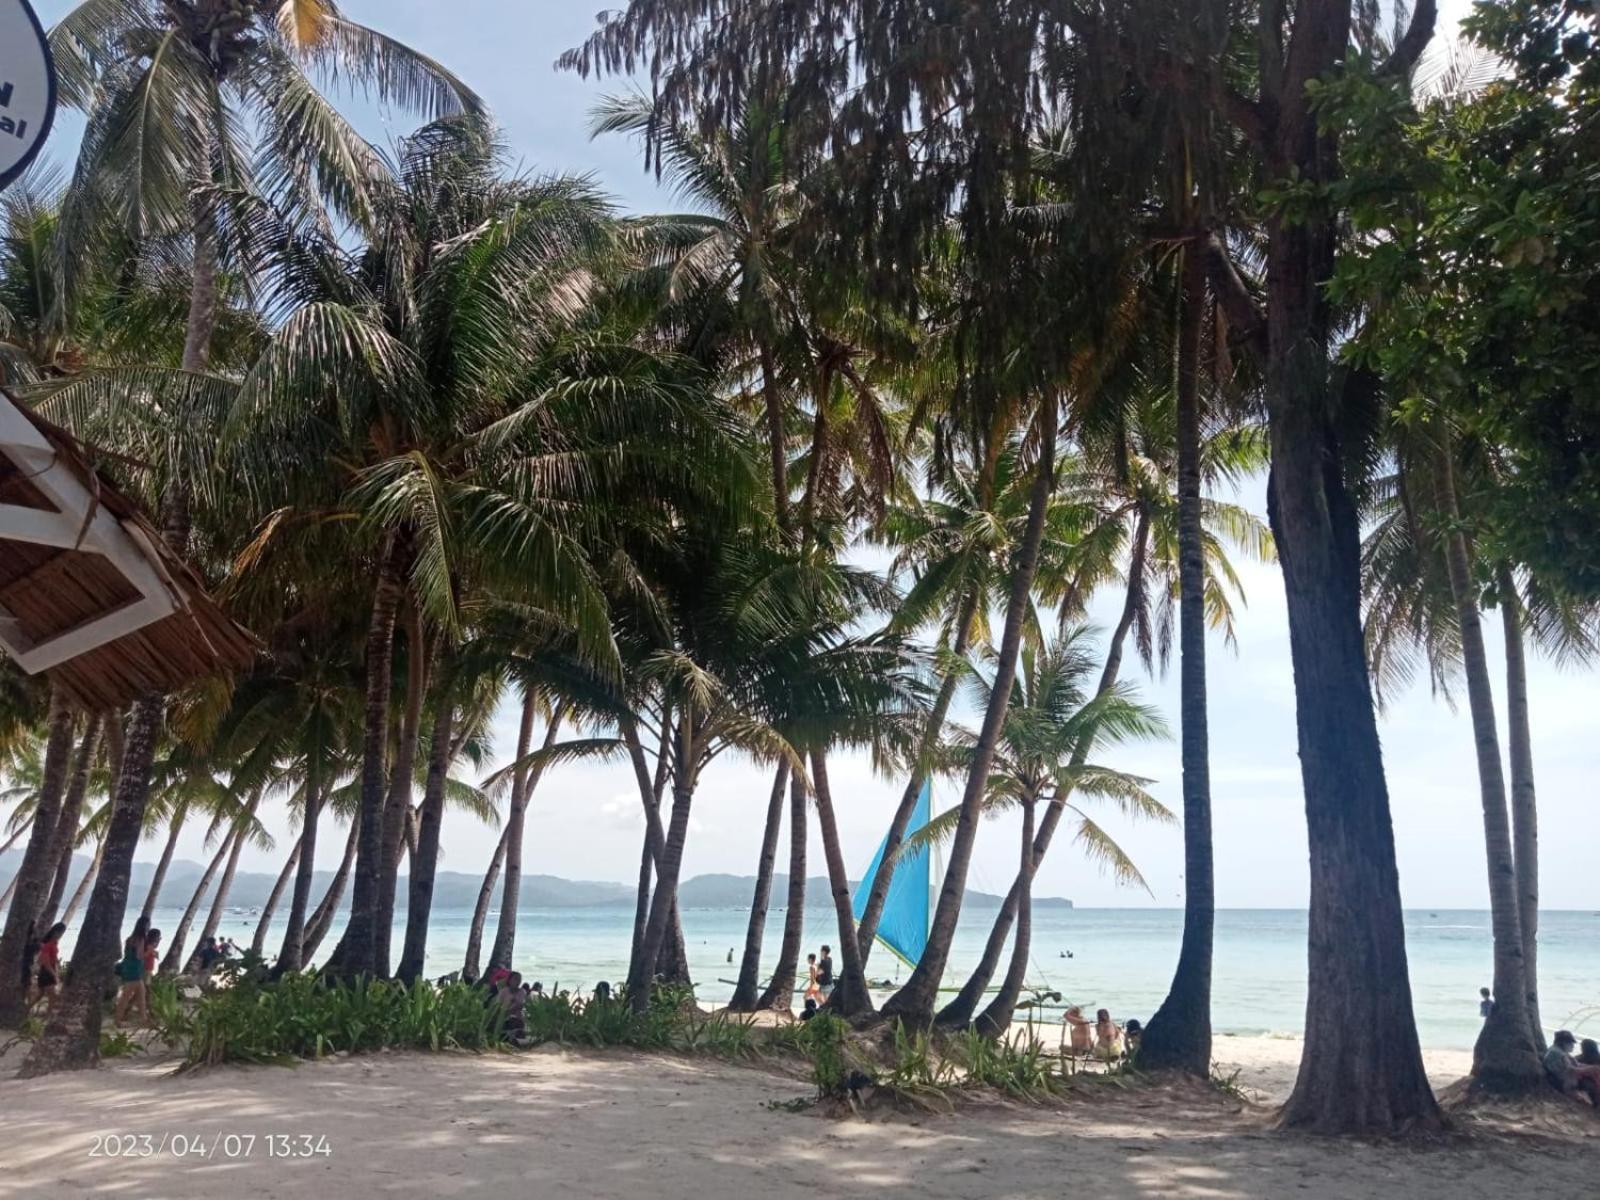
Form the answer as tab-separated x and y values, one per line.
1116	958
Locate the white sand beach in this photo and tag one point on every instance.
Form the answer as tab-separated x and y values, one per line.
552	1123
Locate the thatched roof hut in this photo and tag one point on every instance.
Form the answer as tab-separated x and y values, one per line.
89	590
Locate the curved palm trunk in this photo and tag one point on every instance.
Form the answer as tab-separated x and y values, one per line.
780	988
523	782
172	961
480	913
71	1035
398	828
650	790
84	884
318	924
11	841
220	903
744	992
355	953
1179	1035
850	997
664	902
159	879
425	859
915	1000
292	953
872	914
1504	1058
1524	799
258	943
958	1013
31	885
996	1019
71	816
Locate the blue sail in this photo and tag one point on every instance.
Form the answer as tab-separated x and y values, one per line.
903	927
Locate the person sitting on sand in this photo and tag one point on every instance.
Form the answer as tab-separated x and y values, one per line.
512	999
1589	1053
809	1011
1107	1037
1568	1075
602	991
813	990
1081	1029
1131	1033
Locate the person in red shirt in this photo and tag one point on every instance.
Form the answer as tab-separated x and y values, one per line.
49	964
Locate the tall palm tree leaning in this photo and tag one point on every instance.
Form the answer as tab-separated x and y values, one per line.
166	88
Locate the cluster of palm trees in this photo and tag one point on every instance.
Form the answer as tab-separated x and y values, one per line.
990	296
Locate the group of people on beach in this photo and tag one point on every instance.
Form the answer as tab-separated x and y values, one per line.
1572	1067
1101	1038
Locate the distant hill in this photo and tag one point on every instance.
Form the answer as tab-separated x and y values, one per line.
455	889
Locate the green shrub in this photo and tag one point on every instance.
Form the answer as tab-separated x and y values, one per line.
824	1043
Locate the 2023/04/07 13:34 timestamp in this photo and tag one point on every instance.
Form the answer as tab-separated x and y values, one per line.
210	1146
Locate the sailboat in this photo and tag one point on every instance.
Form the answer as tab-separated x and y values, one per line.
908	908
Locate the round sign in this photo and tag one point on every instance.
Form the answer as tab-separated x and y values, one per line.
27	88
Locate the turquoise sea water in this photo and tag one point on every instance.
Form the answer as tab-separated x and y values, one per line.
1121	959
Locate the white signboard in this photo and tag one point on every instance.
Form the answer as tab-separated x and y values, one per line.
27	88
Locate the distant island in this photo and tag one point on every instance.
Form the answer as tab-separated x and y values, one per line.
453	889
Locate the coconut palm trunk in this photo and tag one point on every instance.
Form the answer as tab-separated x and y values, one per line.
878	895
1179	1034
158	880
291	954
318	924
1524	798
398	831
1503	1059
425	860
172	961
958	1013
225	886
67	825
745	989
470	968
258	943
71	1036
850	997
664	899
84	884
914	1002
650	792
779	993
523	782
996	1018
355	953
31	885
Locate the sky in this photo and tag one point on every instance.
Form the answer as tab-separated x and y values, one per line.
585	823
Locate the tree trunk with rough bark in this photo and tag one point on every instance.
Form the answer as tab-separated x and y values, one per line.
67	824
34	877
914	1002
996	1018
399	832
291	953
258	943
470	969
850	997
779	993
878	895
318	924
745	991
1524	797
71	1037
425	859
1504	1059
664	900
957	1014
523	782
355	953
1178	1036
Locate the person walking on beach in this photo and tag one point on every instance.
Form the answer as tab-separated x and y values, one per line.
49	963
813	990
131	972
825	973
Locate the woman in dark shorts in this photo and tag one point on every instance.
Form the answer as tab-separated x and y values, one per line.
49	963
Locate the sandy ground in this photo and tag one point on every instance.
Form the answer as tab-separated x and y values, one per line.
572	1124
